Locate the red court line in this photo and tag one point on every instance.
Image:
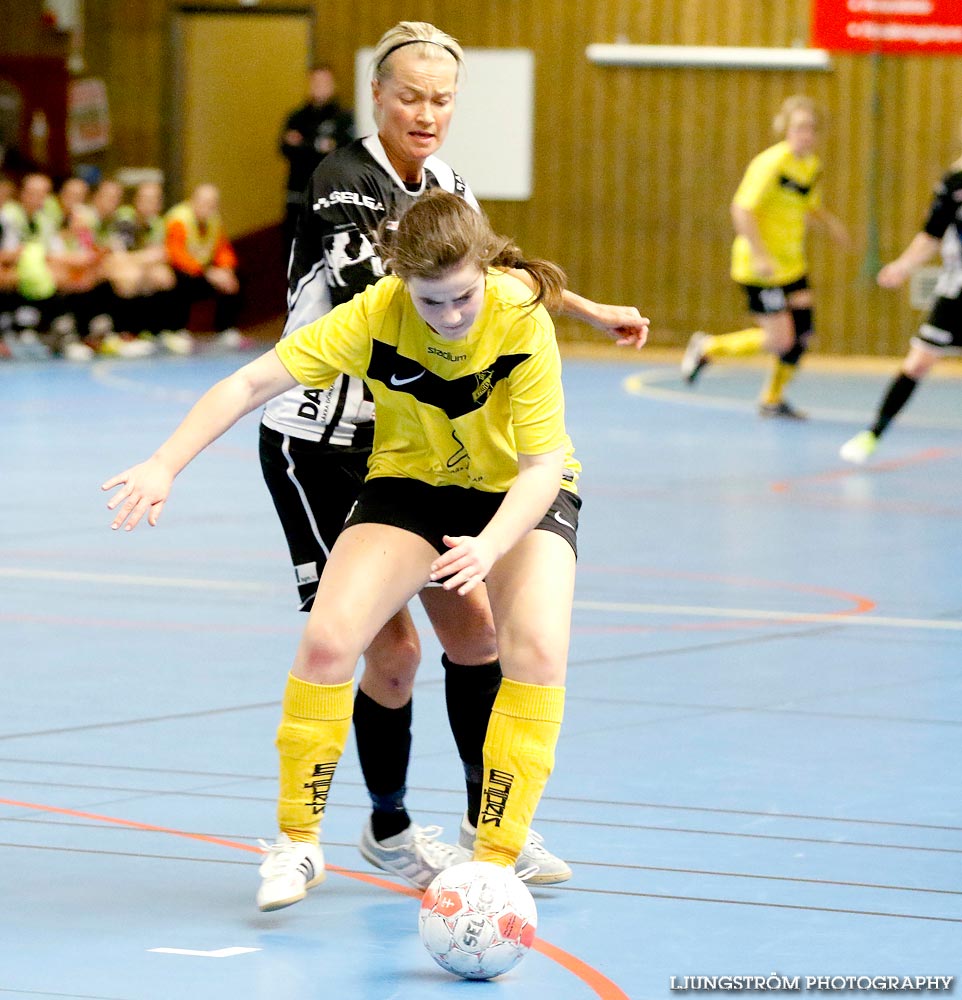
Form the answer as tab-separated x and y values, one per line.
603	987
918	458
861	604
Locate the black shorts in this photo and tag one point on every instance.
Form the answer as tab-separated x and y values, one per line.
766	300
942	331
435	511
313	486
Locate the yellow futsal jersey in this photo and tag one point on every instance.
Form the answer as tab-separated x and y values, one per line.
448	413
779	189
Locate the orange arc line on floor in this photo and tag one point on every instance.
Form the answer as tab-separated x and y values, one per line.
603	987
892	464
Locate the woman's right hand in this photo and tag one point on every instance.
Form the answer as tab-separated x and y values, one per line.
762	264
892	275
145	489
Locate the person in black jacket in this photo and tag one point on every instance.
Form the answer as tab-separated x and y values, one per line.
315	129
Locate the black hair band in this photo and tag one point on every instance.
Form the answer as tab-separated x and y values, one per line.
415	41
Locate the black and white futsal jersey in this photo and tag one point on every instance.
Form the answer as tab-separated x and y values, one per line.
351	193
943	223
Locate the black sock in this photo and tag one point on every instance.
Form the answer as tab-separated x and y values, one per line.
470	694
898	395
384	748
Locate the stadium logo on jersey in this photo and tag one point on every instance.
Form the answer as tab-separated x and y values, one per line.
447	355
346	249
349	198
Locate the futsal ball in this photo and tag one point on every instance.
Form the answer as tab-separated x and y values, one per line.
477	919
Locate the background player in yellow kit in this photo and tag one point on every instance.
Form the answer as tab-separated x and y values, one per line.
779	194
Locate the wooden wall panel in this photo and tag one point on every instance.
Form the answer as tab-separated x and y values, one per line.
635	168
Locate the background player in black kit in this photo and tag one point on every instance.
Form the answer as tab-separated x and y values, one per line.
316	128
315	444
941	334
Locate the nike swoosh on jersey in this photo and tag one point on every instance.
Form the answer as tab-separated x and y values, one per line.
561	520
404	381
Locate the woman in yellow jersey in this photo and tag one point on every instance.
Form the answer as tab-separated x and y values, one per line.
779	194
470	454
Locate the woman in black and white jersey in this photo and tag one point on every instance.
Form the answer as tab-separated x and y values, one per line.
941	333
315	444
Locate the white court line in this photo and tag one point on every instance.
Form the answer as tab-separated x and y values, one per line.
218	953
188	583
106	373
686	610
645	384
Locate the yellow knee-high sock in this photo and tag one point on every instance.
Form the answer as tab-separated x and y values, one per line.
315	723
518	757
740	344
780	376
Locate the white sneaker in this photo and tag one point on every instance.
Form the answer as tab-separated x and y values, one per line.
694	358
415	854
177	341
535	864
859	449
288	871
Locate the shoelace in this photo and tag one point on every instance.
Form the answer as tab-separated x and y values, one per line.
436	852
533	845
280	856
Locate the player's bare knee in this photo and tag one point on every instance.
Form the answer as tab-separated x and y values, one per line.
325	655
390	668
535	662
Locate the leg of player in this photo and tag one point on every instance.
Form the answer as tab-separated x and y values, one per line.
372	572
785	363
918	363
390	839
531	590
472	679
774	332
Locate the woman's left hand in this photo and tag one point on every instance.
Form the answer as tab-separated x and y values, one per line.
465	565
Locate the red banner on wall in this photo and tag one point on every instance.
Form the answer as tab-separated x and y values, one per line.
914	27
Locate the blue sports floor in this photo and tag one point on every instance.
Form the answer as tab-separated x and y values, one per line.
759	770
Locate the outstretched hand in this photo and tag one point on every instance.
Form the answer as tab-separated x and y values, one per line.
623	322
893	274
465	565
145	489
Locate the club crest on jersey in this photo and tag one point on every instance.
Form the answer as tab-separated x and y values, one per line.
349	248
483	385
